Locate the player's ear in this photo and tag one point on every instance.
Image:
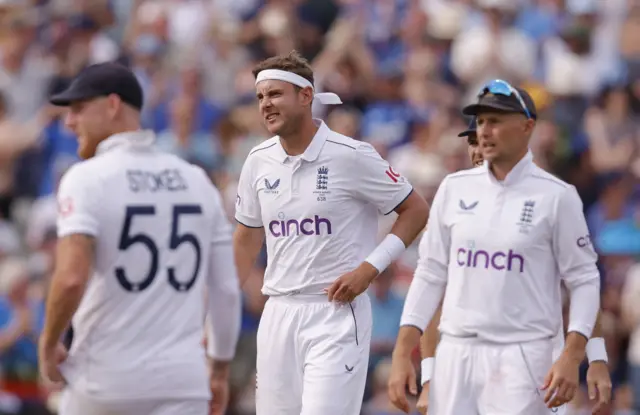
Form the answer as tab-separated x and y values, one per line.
305	96
114	103
529	125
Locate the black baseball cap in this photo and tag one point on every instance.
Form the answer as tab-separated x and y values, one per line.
471	129
101	80
502	103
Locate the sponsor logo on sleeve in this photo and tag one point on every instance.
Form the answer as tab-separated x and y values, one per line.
584	241
65	207
392	174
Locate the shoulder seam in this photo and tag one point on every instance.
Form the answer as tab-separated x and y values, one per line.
255	150
471	172
551	179
341	144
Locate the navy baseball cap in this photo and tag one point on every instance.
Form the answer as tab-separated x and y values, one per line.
501	102
471	129
101	80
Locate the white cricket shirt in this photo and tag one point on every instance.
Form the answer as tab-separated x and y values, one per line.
319	210
155	219
501	249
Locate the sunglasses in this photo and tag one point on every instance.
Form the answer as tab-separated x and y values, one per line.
500	87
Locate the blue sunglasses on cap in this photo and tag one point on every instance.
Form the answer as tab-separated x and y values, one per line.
500	87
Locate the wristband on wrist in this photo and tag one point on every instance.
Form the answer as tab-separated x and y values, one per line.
426	370
388	251
596	350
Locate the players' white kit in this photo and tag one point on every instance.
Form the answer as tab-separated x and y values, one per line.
319	211
501	248
161	241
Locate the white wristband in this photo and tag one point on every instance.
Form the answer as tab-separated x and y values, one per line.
596	350
388	251
426	370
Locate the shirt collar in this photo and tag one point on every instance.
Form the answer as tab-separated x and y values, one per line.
140	138
312	151
517	172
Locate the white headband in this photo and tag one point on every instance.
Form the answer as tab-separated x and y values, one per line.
327	98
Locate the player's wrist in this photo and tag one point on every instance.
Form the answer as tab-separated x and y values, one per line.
575	346
426	369
386	252
369	271
596	350
574	355
401	351
46	344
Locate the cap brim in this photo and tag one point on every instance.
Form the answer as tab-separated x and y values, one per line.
475	109
66	98
466	133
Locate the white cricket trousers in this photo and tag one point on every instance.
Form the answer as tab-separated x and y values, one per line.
473	377
312	356
76	403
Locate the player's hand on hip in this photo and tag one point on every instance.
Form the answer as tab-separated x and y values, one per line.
403	375
562	380
350	285
49	361
599	385
423	400
220	394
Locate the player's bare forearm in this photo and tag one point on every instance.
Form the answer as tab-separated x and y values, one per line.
220	369
597	329
74	263
575	346
431	336
247	243
412	218
408	339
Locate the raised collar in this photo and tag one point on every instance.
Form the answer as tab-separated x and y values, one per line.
312	151
140	138
517	172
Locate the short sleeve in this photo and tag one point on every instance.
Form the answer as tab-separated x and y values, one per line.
572	244
78	203
248	210
377	182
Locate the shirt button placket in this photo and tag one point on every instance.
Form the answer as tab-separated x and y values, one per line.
496	217
295	178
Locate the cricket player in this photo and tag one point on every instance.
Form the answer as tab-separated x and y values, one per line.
315	195
500	240
598	377
142	238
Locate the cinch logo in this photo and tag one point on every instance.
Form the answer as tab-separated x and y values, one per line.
496	260
584	241
306	226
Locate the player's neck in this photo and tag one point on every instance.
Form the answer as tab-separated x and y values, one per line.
126	127
501	168
296	143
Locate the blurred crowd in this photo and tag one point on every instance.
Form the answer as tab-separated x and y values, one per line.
403	68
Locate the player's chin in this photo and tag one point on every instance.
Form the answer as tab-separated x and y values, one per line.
275	127
490	155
